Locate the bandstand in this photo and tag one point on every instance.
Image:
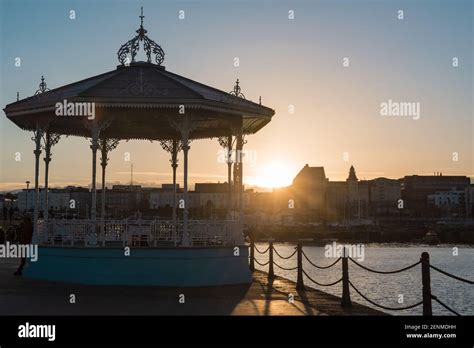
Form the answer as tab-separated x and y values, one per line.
140	100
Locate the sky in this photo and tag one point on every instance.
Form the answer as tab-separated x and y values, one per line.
294	64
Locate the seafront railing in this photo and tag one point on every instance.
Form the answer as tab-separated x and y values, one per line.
138	232
427	295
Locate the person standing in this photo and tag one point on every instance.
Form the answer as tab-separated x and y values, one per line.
25	235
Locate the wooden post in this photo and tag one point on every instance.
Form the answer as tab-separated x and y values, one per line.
346	296
426	281
299	279
252	255
271	275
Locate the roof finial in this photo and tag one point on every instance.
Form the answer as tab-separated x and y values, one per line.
237	90
17	96
141	31
141	17
132	46
43	87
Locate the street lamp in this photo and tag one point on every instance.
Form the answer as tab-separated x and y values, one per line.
27	193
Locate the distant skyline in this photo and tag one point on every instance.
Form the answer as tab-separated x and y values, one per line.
216	179
293	64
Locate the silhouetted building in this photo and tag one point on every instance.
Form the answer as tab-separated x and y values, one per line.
357	196
58	200
336	201
121	200
82	199
308	192
347	200
384	197
212	195
449	203
417	188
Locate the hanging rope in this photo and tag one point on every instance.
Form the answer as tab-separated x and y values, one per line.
286	269
452	275
261	264
284	258
317	283
445	306
384	272
384	307
261	252
320	267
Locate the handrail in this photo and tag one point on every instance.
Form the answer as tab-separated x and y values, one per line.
141	231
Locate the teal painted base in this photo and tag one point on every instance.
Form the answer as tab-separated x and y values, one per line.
144	266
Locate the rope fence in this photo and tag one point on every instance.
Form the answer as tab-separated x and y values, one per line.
384	307
287	257
261	252
424	261
320	284
444	305
384	272
320	267
286	269
262	264
451	275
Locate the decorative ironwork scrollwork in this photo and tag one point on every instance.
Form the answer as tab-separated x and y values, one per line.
132	47
106	145
169	145
49	139
43	87
173	146
237	91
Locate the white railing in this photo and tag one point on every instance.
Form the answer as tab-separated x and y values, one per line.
147	233
64	232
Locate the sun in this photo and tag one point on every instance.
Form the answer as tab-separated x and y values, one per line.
271	175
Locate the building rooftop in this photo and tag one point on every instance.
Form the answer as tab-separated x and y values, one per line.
307	173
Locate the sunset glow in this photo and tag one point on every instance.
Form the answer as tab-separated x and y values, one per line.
272	175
